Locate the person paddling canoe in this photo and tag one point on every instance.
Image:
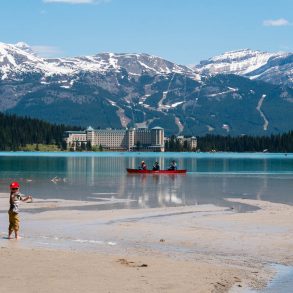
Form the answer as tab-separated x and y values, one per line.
142	166
156	166
173	165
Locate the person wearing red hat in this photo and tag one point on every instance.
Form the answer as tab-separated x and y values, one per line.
14	200
142	166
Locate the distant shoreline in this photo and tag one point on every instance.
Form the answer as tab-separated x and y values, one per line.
216	154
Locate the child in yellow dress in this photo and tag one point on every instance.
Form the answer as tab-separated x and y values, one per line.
14	200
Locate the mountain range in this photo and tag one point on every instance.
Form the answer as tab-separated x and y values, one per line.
239	92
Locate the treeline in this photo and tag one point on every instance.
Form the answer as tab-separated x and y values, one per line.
173	144
17	132
209	143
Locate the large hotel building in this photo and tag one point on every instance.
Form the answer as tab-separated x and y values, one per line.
143	139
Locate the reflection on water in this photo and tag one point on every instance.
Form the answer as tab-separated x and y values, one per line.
210	178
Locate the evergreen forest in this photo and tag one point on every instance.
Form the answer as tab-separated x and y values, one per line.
217	143
17	132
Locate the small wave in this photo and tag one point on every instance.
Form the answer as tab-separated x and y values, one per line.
94	242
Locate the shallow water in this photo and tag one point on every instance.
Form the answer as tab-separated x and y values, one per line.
101	177
282	282
97	176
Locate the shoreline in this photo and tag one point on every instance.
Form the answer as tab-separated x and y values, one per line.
220	247
219	154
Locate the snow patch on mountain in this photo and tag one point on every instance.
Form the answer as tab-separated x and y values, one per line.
239	62
274	68
230	90
263	116
179	124
176	104
19	59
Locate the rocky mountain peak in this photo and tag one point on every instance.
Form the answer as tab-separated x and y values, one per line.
129	89
20	59
236	62
24	46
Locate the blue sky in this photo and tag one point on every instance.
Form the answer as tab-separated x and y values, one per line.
183	31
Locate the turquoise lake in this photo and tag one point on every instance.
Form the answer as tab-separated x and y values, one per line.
211	177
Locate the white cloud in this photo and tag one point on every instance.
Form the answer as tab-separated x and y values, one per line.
77	1
276	22
46	51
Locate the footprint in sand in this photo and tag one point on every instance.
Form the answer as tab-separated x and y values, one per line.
132	264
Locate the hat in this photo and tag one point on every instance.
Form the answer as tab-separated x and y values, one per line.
14	185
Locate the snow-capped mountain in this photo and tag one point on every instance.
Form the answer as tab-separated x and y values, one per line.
239	62
123	90
19	59
270	67
134	64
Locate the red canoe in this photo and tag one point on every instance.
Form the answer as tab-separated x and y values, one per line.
137	171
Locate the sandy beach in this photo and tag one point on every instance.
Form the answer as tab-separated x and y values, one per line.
201	248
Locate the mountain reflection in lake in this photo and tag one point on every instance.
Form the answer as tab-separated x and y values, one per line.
98	177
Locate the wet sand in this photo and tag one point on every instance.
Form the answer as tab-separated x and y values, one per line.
182	249
63	271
